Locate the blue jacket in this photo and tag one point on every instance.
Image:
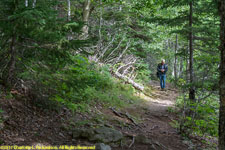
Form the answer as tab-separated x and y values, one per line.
160	66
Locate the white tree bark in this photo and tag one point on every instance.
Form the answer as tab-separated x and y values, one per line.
126	70
127	79
34	3
126	65
26	3
120	56
86	14
106	48
130	81
69	10
112	52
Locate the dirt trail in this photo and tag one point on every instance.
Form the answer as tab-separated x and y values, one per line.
27	125
159	118
156	121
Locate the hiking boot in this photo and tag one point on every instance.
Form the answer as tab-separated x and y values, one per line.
163	89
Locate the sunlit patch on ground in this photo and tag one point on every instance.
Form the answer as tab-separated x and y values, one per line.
162	102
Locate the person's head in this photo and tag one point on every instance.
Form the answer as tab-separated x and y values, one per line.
163	61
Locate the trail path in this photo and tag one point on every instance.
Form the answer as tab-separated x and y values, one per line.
157	121
26	125
159	118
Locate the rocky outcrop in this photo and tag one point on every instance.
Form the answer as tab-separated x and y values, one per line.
101	134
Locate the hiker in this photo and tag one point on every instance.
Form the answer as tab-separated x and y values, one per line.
162	69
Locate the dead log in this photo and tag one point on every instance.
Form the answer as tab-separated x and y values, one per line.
130	81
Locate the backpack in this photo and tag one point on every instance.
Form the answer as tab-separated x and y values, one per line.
157	74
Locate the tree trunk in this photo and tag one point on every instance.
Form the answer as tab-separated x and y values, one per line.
175	61
192	89
130	81
34	3
26	3
222	77
86	14
69	10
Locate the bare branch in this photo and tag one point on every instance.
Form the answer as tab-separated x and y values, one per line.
106	48
125	65
114	49
120	56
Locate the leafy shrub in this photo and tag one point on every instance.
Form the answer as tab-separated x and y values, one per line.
77	85
205	119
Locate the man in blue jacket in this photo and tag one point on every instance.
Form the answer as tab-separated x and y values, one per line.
162	69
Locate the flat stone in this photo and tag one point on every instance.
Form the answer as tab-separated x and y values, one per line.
101	134
107	135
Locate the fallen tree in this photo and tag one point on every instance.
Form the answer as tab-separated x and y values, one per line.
130	81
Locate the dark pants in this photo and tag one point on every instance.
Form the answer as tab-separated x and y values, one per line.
162	78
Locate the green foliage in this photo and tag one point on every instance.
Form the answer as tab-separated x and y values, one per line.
45	58
143	73
9	96
77	85
205	120
47	52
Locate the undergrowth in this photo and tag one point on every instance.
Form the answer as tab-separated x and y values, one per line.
202	122
77	86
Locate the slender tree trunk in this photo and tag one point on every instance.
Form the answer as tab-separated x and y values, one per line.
69	10
86	14
192	89
34	3
100	23
26	3
175	61
222	77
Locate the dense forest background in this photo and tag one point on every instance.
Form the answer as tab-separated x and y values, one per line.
72	52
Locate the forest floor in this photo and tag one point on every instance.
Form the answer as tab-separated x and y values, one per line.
145	126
